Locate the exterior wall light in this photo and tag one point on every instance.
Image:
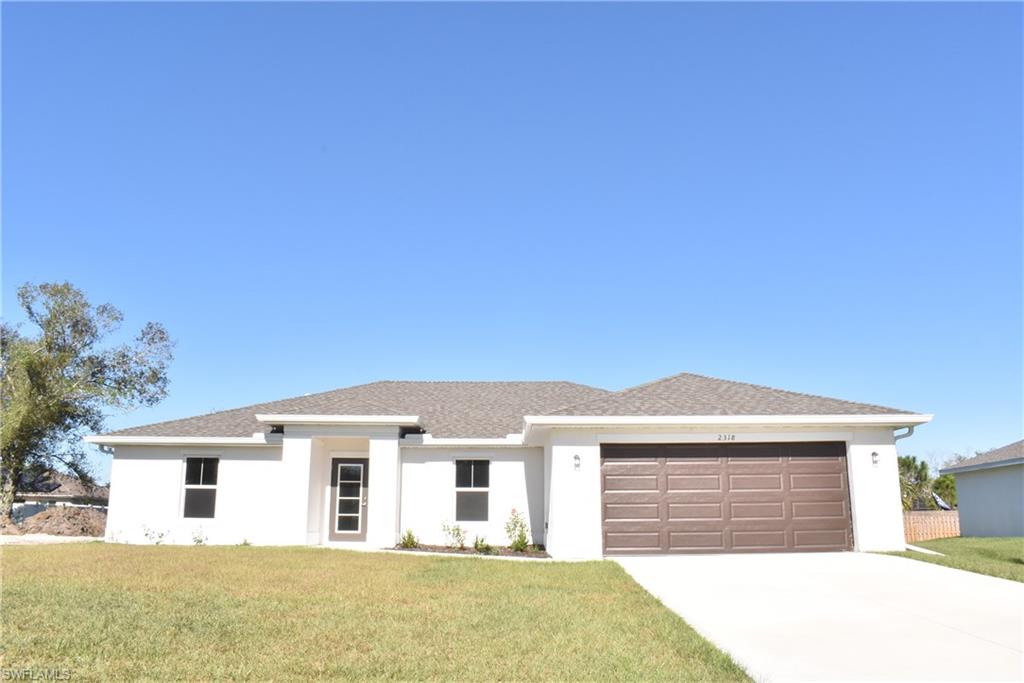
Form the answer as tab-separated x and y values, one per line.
874	457
576	462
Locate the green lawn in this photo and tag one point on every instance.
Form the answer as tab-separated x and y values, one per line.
1002	557
115	611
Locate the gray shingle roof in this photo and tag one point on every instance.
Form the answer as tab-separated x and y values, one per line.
495	409
689	394
994	457
446	409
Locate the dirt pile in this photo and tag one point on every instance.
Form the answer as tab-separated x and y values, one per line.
65	521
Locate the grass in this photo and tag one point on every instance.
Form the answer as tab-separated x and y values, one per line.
1002	557
159	612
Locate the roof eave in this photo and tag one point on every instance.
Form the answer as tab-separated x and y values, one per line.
894	420
957	469
258	439
286	419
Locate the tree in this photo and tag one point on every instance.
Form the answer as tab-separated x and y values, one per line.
944	487
56	386
915	483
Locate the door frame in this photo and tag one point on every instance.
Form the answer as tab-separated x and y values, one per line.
333	535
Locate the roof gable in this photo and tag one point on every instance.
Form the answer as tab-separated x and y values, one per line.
690	394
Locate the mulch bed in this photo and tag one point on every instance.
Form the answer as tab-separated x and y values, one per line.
532	552
63	521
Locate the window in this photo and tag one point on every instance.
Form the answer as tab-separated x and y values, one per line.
350	482
472	482
200	487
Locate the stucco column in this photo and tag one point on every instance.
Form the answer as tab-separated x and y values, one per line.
574	505
385	486
875	491
296	455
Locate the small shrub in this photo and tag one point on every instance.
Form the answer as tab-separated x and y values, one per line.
408	540
456	536
153	536
518	532
482	547
245	542
198	537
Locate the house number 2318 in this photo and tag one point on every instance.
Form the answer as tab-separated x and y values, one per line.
726	437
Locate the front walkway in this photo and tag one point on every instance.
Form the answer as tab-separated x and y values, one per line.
844	616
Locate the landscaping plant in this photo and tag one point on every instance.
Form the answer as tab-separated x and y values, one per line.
408	540
482	546
456	536
517	531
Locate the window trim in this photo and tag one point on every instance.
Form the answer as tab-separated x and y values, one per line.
338	498
471	489
185	456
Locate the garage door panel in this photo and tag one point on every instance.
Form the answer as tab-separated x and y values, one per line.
753	465
634	541
755	482
830	509
694	482
815	465
821	538
633	482
775	510
686	467
760	540
634	466
628	511
632	497
690	511
725	498
703	541
817	482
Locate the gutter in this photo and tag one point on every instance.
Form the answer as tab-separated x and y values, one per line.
895	420
258	439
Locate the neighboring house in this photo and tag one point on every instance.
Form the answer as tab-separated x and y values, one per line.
684	464
990	492
37	493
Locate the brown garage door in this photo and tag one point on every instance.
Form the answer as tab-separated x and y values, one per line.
710	498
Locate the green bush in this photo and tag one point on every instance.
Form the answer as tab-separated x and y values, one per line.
517	531
482	547
409	540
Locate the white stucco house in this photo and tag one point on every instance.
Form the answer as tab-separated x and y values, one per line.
990	492
686	464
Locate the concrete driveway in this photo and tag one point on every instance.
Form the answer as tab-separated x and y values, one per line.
844	616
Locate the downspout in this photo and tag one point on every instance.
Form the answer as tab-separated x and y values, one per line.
909	432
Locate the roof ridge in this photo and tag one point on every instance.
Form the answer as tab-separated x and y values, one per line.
479	381
620	392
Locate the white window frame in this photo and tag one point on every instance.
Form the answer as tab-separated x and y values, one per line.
359	498
184	486
471	489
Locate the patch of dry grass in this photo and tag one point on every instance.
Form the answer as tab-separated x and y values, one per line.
114	612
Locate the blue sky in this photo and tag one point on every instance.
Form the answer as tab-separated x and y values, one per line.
825	198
